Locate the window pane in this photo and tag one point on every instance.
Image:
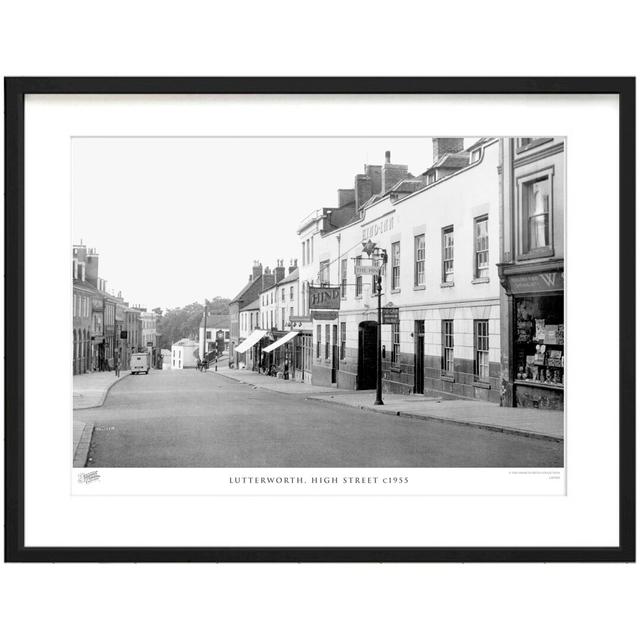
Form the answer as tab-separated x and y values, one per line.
536	203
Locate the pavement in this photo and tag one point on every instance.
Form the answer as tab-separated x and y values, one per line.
191	419
533	423
89	391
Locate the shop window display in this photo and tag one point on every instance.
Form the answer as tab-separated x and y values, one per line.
539	344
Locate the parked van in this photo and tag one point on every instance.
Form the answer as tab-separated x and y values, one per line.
140	363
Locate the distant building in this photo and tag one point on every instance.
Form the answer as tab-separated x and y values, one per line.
149	329
217	326
184	354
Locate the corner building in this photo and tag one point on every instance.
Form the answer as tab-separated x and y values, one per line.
440	231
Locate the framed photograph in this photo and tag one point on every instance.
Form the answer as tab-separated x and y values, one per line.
320	319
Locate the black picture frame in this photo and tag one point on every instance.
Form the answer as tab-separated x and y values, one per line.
15	91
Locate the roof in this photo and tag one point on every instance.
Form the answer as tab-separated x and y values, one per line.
217	321
252	306
292	277
185	342
87	286
244	289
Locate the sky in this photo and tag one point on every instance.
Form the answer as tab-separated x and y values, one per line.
177	220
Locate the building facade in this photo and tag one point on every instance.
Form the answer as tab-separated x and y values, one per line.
440	276
218	327
531	271
84	293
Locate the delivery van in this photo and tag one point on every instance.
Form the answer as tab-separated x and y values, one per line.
140	363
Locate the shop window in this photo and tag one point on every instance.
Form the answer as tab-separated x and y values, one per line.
358	278
481	348
447	347
343	340
327	340
395	266
481	247
395	350
539	340
447	255
419	252
343	279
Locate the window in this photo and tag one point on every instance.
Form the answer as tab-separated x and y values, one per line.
290	293
395	351
282	294
536	211
481	247
447	347
343	340
481	343
343	279
475	155
304	256
318	340
282	314
447	254
75	304
271	318
209	332
324	272
327	340
418	277
312	248
395	264
358	278
290	313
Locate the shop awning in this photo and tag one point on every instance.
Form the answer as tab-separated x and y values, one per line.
253	339
278	343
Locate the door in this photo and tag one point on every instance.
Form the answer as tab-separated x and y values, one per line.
335	356
367	344
418	385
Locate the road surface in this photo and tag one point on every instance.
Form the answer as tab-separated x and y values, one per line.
192	419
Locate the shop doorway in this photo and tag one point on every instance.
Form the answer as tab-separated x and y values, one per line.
367	344
335	356
418	383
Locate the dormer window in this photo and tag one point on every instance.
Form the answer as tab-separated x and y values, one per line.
475	155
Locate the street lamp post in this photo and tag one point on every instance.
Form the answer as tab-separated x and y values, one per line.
204	333
371	249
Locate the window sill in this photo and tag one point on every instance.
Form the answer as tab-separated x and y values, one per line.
536	253
395	290
447	377
446	284
542	385
479	280
395	369
482	385
419	287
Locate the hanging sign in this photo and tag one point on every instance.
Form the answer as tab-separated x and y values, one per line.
390	315
324	297
366	270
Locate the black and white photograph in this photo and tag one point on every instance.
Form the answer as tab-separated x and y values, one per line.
318	302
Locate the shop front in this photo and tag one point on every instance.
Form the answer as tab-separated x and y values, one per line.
534	372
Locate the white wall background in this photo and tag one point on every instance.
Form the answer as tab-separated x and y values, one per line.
291	38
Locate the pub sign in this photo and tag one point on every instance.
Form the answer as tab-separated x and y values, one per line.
324	297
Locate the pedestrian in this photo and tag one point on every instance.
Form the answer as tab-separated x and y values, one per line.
199	364
285	371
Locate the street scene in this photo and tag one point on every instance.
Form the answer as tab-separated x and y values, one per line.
415	320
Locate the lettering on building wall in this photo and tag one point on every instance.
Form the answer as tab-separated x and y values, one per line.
377	228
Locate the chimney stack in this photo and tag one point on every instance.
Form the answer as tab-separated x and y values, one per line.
293	265
446	145
392	173
279	271
268	279
256	271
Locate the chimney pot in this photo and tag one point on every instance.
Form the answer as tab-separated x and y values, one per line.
387	157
